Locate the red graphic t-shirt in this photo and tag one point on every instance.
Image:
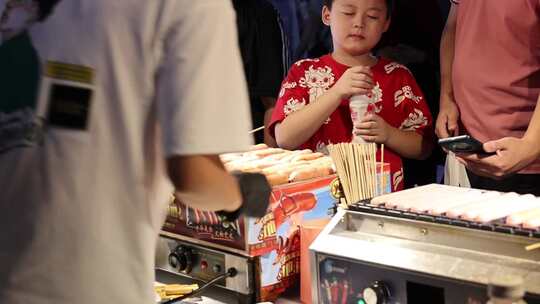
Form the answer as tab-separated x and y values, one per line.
399	101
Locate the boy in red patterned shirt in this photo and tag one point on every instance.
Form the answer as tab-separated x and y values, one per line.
313	106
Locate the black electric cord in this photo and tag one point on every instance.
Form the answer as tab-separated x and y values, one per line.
231	272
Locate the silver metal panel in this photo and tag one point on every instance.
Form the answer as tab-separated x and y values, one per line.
313	266
429	248
436	235
241	283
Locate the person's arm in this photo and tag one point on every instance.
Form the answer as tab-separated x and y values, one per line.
299	126
410	144
447	121
202	110
201	181
532	136
269	103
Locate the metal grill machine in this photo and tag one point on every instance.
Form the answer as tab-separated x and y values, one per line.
432	244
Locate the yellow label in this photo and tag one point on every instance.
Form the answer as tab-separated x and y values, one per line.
69	72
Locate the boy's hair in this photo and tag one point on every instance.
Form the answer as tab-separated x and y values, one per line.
389	5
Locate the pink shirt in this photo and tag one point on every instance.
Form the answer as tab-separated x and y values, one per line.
496	70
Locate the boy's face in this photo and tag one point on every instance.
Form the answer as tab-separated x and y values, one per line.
356	25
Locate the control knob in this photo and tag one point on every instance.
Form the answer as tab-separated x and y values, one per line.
181	259
377	293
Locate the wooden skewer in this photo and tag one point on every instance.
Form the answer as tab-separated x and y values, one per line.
381	182
533	247
358	176
365	164
350	170
369	170
370	162
373	170
356	166
361	177
336	154
256	130
345	173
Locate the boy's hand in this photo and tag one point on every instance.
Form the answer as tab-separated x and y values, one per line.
373	128
356	80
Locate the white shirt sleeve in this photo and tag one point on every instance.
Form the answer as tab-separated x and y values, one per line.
202	97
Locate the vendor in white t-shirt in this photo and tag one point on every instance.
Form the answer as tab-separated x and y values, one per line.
97	103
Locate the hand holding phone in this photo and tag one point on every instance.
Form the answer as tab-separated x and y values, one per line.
463	144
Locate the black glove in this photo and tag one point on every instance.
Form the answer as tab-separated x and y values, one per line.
255	192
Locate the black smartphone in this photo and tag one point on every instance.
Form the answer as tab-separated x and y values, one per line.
462	144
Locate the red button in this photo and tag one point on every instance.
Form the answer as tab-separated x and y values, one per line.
204	265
